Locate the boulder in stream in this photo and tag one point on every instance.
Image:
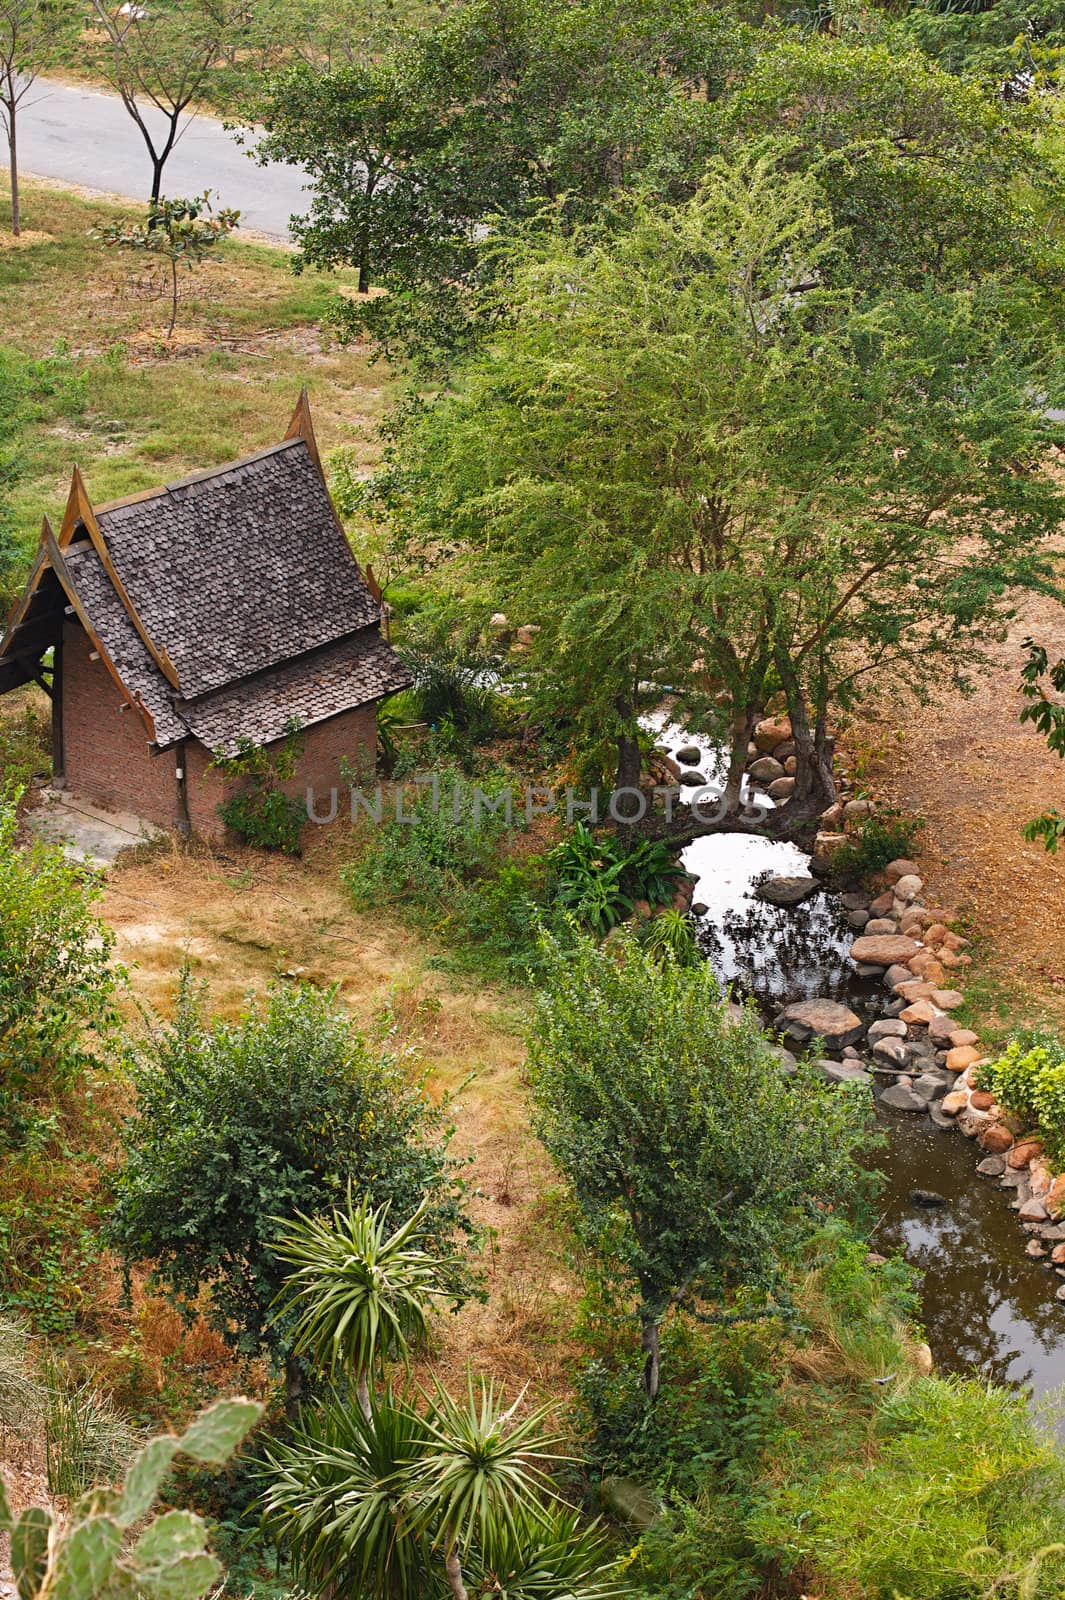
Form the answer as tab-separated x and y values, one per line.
899	1098
884	949
836	1024
786	891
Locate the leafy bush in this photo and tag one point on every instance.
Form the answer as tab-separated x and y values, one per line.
1030	1080
260	811
601	879
241	1125
883	837
24	749
453	685
56	980
671	931
712	1421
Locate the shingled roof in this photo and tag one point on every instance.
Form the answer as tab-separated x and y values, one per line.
225	605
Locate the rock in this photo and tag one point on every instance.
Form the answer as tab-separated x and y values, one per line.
893	1051
948	999
881	905
962	1056
920	1011
980	1100
888	1028
1023	1154
1055	1196
629	1502
849	1053
927	1197
935	933
690	779
787	1061
771	732
929	1086
925	965
843	1072
832	817
781	788
897	974
900	868
786	891
498	620
689	755
922	1360
992	1167
895	1007
527	633
915	989
854	810
963	1036
1061	1293
1032	1210
954	1101
836	1024
939	1031
825	847
699	908
785	751
899	1098
1039	1178
996	1139
936	1115
872	1259
854	900
879	925
1035	1249
857	920
765	769
907	887
972	1123
1057	1255
882	950
867	969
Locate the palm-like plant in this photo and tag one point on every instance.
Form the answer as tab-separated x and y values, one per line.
361	1293
337	1500
546	1556
482	1473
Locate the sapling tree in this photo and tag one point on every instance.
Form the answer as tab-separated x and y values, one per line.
1040	681
33	34
696	1165
179	232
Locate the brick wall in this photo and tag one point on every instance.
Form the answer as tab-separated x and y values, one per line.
108	756
106	751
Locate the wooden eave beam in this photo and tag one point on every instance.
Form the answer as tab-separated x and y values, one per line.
80	513
302	427
55	556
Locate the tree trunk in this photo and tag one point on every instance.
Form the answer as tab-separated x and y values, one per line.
16	206
293	1387
364	262
453	1569
157	177
173	295
649	1344
362	1390
630	760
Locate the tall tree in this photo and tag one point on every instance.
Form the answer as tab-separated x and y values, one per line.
728	473
32	36
695	1165
161	58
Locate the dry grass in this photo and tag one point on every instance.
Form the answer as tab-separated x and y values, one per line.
243	919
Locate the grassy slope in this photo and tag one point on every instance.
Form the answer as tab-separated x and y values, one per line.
149	415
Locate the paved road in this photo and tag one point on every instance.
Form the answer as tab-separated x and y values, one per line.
85	136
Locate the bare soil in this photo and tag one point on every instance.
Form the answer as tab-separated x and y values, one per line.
976	774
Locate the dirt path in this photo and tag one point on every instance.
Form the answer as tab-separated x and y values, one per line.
976	774
242	919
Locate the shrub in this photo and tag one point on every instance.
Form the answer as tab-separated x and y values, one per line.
671	931
601	879
241	1125
882	838
454	686
260	811
1029	1078
56	980
24	749
22	1396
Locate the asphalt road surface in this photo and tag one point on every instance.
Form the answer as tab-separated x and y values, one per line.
84	136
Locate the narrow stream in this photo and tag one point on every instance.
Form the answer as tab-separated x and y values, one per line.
987	1307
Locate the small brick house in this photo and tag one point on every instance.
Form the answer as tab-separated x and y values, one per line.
188	619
